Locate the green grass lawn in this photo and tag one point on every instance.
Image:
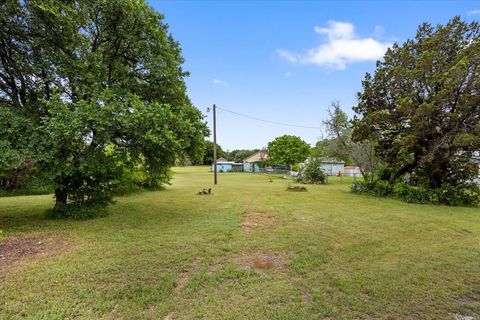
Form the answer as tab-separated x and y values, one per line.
177	255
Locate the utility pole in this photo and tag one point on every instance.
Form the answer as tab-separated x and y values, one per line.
214	144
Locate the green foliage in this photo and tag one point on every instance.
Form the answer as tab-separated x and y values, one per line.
207	158
94	103
34	184
421	108
288	150
447	194
313	173
332	148
238	155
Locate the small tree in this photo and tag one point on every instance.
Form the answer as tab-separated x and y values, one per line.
343	147
313	173
288	150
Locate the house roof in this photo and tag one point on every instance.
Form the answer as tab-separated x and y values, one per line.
331	160
257	156
222	159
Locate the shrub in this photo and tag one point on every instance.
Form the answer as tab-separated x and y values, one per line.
35	184
459	195
313	173
1	235
413	194
375	187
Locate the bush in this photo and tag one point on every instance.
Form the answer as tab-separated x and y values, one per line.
78	212
1	235
447	194
376	187
34	185
313	173
460	195
414	194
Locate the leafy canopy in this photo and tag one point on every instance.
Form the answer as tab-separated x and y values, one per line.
90	90
288	150
421	108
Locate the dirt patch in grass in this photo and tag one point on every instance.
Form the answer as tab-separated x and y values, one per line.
18	251
253	220
261	261
186	274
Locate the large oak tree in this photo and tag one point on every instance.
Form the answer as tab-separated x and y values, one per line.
90	88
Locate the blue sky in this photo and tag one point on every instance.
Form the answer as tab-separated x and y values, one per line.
286	61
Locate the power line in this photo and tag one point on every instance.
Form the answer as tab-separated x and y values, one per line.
269	121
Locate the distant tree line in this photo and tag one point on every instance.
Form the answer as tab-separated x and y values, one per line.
237	155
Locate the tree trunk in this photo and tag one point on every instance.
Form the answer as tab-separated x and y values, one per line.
397	174
60	198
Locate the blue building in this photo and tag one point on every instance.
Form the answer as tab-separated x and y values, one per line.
223	165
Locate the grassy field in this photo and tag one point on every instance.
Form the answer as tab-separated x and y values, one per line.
252	250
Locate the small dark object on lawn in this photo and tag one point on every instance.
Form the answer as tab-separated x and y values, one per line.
205	191
296	188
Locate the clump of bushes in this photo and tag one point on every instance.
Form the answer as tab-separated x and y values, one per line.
34	184
447	194
313	173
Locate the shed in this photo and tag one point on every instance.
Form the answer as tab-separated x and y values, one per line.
332	167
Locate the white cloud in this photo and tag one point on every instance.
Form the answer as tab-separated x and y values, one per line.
473	12
337	30
343	47
218	82
290	57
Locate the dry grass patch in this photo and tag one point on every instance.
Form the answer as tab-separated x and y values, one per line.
17	251
253	220
261	261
